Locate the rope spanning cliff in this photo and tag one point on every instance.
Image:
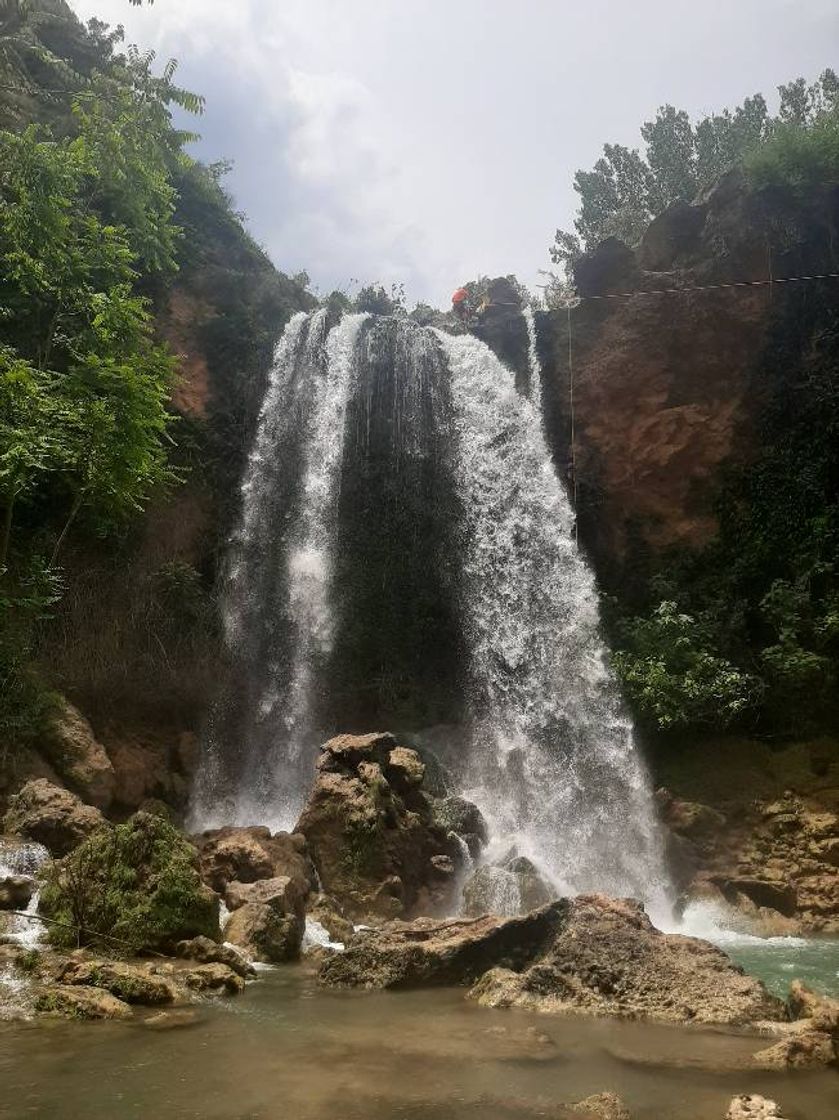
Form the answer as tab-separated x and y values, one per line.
575	300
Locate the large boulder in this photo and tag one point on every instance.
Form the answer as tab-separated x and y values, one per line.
465	820
269	922
608	959
808	1049
247	855
427	952
214	978
601	1106
205	951
77	756
137	885
372	834
51	816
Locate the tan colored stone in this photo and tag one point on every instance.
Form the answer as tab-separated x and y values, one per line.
131	983
608	959
752	1107
811	1050
69	1002
214	978
77	755
51	816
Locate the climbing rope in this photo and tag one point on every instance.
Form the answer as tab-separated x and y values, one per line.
569	305
569	302
768	282
77	929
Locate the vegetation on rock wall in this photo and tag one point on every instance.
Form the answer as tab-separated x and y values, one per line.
105	224
746	631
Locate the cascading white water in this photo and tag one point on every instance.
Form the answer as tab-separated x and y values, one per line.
305	403
553	764
25	858
310	552
533	362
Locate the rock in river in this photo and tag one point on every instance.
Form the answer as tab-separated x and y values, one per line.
372	833
591	954
608	959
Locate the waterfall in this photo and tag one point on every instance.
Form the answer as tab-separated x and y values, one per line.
277	615
25	858
533	362
553	765
404	558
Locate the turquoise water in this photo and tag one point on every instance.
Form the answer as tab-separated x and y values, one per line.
778	960
774	960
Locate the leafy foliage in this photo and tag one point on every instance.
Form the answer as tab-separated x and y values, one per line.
378	301
624	190
673	679
130	887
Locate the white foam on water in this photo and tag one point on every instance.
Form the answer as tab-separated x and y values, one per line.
317	936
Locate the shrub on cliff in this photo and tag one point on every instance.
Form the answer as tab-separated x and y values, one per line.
132	887
674	679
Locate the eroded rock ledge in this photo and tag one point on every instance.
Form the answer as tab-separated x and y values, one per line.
591	954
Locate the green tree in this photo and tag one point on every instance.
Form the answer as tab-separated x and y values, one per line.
625	189
84	370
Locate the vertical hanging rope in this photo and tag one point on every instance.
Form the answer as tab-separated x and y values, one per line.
573	425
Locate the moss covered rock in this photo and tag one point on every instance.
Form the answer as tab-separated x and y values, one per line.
67	1002
131	887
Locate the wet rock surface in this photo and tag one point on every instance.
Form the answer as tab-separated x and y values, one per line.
372	833
429	952
268	930
247	855
515	886
753	1107
16	891
51	816
601	1106
811	1040
131	983
69	1002
592	954
607	959
205	951
214	979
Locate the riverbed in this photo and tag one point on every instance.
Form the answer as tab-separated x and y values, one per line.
289	1050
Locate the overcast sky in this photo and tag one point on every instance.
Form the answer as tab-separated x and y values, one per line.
428	141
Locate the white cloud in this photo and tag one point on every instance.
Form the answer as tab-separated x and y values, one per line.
426	141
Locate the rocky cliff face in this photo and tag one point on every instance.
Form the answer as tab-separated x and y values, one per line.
666	350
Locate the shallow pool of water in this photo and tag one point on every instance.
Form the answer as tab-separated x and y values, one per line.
775	960
287	1050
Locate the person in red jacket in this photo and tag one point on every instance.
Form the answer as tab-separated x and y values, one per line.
460	304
